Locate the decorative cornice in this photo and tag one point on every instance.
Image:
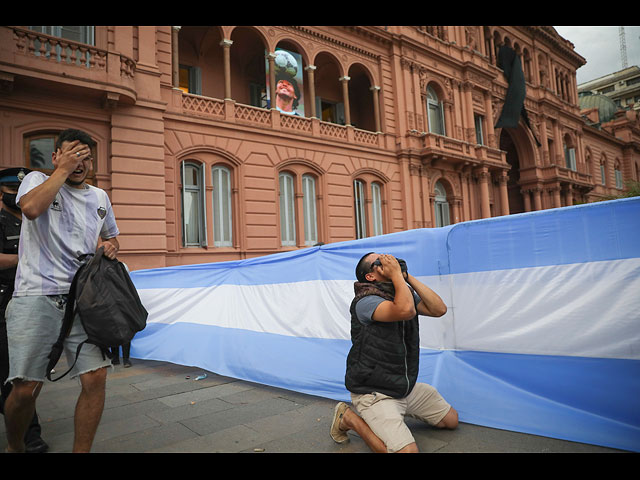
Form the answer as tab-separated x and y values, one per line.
332	40
563	46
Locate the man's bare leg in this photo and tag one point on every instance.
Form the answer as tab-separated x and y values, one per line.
353	421
450	420
89	409
19	409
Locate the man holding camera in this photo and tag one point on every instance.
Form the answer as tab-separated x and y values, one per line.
382	365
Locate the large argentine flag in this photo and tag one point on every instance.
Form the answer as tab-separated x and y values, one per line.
542	333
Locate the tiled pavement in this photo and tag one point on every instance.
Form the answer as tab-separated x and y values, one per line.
158	407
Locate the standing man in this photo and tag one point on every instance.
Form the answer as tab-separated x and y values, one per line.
10	222
64	218
382	365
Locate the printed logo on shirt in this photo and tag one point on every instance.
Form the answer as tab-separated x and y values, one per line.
102	212
56	205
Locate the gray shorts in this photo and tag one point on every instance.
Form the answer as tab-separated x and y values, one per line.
33	326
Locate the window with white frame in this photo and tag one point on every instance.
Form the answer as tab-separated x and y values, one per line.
287	210
222	208
570	158
441	206
361	219
376	208
435	112
603	177
194	232
309	210
618	177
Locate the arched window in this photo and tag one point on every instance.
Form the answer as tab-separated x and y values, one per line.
299	198
309	210
569	154
376	208
222	214
38	150
287	210
194	231
441	206
368	210
618	176
603	174
435	112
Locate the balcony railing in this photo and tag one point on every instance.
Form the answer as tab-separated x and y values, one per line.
566	174
233	112
31	53
435	145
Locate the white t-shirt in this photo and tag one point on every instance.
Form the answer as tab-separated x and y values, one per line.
51	244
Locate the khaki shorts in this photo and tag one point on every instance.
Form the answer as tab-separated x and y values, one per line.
385	415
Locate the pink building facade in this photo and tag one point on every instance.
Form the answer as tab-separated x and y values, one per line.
394	130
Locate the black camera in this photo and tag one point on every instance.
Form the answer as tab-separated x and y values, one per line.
403	264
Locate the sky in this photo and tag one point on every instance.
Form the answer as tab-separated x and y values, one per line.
600	47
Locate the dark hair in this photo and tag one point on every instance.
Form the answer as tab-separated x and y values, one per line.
293	82
71	134
363	267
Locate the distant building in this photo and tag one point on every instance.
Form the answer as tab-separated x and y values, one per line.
206	157
623	87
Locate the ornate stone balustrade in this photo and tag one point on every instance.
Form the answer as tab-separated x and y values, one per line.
29	53
233	112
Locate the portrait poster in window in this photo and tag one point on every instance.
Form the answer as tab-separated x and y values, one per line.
289	83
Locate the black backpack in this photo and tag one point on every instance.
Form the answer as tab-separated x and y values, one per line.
108	305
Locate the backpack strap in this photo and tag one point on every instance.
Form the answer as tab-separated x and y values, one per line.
67	323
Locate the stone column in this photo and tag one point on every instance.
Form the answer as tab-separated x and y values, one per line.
418	195
469	131
526	195
483	177
537	200
504	193
491	134
345	97
376	106
272	79
557	154
456	210
544	141
311	71
175	57
568	196
226	51
557	200
447	105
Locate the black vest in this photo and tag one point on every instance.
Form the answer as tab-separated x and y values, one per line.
384	356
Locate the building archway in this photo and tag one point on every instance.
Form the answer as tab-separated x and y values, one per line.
520	157
516	199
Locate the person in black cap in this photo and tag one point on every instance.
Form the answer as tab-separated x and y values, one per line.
10	223
383	363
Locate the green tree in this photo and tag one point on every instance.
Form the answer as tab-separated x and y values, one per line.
632	189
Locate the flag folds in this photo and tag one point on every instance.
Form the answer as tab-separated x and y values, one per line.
542	333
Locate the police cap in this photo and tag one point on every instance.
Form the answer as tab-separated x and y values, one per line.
13	175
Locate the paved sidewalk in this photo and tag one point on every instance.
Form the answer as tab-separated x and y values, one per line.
156	407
